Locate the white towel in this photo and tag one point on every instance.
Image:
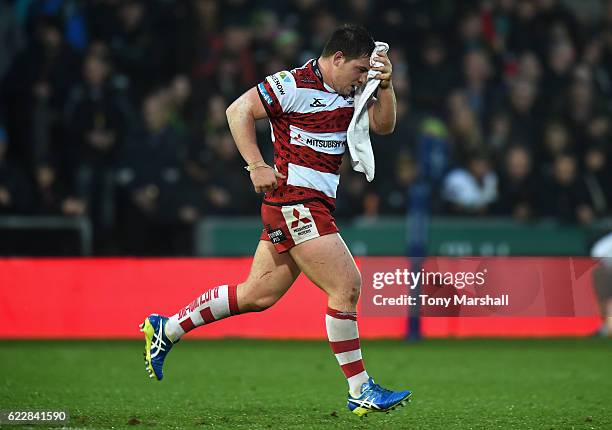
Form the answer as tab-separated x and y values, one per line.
358	133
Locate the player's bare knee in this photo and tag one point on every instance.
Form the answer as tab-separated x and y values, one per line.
355	288
348	292
353	292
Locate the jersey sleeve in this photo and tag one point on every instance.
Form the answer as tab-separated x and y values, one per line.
278	93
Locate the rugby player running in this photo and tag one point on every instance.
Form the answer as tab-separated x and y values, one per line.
309	109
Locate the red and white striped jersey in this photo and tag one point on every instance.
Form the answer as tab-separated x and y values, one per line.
309	122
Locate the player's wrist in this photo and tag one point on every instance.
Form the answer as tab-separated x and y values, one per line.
256	165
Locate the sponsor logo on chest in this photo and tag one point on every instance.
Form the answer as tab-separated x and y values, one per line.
329	143
317	103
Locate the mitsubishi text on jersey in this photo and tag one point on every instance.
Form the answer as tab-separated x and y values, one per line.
309	122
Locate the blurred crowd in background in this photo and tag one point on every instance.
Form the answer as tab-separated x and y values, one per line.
115	109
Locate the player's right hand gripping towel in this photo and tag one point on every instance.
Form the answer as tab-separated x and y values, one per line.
358	133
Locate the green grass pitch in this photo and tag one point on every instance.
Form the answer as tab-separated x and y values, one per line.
249	384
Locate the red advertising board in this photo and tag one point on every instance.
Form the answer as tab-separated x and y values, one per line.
108	298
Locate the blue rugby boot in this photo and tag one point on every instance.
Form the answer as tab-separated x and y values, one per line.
157	344
375	398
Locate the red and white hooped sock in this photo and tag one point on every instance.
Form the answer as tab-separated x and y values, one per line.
343	338
213	305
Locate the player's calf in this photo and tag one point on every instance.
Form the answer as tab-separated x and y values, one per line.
254	297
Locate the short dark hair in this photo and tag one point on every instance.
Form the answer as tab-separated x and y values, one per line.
354	41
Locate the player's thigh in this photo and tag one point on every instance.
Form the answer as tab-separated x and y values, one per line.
270	277
327	262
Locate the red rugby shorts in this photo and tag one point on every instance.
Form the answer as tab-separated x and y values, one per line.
290	225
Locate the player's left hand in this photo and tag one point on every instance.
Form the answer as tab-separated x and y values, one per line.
386	70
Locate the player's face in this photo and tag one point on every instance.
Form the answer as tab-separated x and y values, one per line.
351	74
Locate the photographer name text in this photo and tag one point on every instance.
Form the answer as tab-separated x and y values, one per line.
454	300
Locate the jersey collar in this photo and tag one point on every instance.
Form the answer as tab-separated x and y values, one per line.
319	75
